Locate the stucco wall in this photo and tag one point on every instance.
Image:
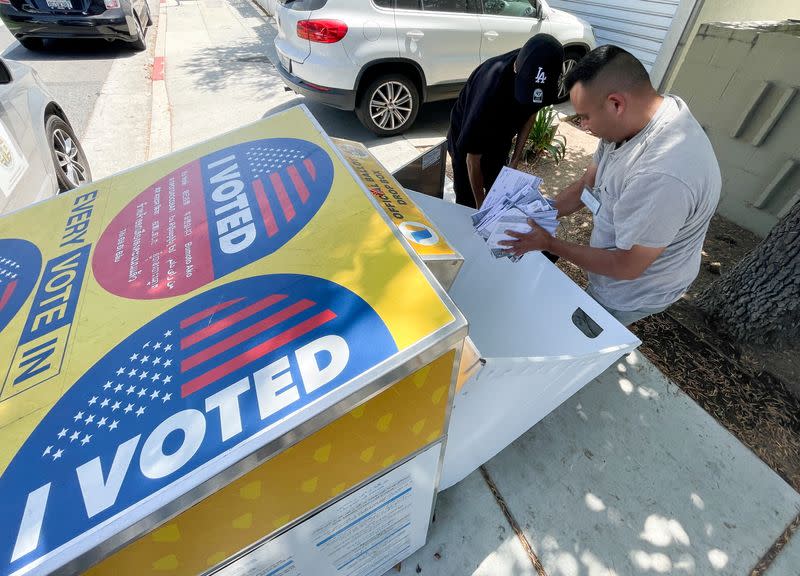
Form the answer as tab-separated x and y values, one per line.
732	11
741	83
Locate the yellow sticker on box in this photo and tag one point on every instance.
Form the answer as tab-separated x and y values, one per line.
420	232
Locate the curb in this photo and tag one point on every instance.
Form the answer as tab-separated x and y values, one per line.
161	112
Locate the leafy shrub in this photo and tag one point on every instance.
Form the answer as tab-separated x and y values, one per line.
543	139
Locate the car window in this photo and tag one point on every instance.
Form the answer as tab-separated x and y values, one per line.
446	5
303	5
408	5
383	3
520	8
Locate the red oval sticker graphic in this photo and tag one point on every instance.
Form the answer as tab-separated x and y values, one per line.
211	217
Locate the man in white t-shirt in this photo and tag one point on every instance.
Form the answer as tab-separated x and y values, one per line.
652	186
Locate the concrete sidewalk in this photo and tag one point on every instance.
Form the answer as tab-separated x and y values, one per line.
628	477
220	66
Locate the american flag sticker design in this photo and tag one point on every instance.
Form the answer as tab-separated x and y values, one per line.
213	216
20	266
175	395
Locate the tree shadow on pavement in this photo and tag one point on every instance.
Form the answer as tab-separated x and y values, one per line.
249	59
252	61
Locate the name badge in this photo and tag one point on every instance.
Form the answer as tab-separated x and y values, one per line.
591	199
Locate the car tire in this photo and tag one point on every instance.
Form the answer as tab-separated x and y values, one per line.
571	57
140	43
69	159
389	105
32	44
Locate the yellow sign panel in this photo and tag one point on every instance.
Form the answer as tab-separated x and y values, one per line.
161	324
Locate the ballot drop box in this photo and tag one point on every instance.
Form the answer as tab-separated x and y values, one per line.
535	338
225	360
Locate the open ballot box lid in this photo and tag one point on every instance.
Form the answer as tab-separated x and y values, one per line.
169	328
438	254
539	336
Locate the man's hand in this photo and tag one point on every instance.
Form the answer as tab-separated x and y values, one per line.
536	239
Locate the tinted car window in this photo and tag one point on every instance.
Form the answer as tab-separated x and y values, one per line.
445	5
303	4
408	5
383	3
521	8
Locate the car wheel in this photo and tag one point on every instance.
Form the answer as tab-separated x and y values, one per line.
72	168
389	105
571	58
140	43
33	44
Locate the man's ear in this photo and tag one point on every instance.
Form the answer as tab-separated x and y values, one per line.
617	103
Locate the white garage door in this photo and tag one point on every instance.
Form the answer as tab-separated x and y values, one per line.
638	26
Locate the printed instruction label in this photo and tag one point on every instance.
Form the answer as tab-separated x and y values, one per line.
367	532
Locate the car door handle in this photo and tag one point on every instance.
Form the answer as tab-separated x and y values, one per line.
415	34
490	35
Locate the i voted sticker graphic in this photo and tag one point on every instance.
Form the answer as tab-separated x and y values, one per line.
212	216
20	266
212	372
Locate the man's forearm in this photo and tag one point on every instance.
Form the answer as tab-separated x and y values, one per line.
596	260
476	178
568	200
522	138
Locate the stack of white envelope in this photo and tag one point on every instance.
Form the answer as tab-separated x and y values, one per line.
513	199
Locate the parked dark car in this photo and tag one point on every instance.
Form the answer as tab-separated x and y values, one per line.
32	21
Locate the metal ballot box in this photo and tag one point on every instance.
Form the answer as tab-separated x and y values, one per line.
225	359
439	256
540	339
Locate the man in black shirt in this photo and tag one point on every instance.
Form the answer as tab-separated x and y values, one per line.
499	101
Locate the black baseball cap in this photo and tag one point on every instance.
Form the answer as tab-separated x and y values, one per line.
538	66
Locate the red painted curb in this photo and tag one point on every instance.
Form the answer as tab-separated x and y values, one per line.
158	68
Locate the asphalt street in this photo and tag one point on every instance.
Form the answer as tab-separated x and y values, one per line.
74	70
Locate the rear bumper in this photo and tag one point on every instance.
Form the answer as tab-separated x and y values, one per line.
334	97
111	24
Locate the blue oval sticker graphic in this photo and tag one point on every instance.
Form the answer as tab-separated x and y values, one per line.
212	216
20	266
183	389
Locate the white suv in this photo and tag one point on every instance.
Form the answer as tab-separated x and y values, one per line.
383	58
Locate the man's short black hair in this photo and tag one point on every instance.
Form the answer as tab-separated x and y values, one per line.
617	69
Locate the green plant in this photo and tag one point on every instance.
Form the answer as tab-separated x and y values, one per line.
543	139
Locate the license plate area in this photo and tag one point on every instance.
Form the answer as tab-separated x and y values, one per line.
59	4
285	62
